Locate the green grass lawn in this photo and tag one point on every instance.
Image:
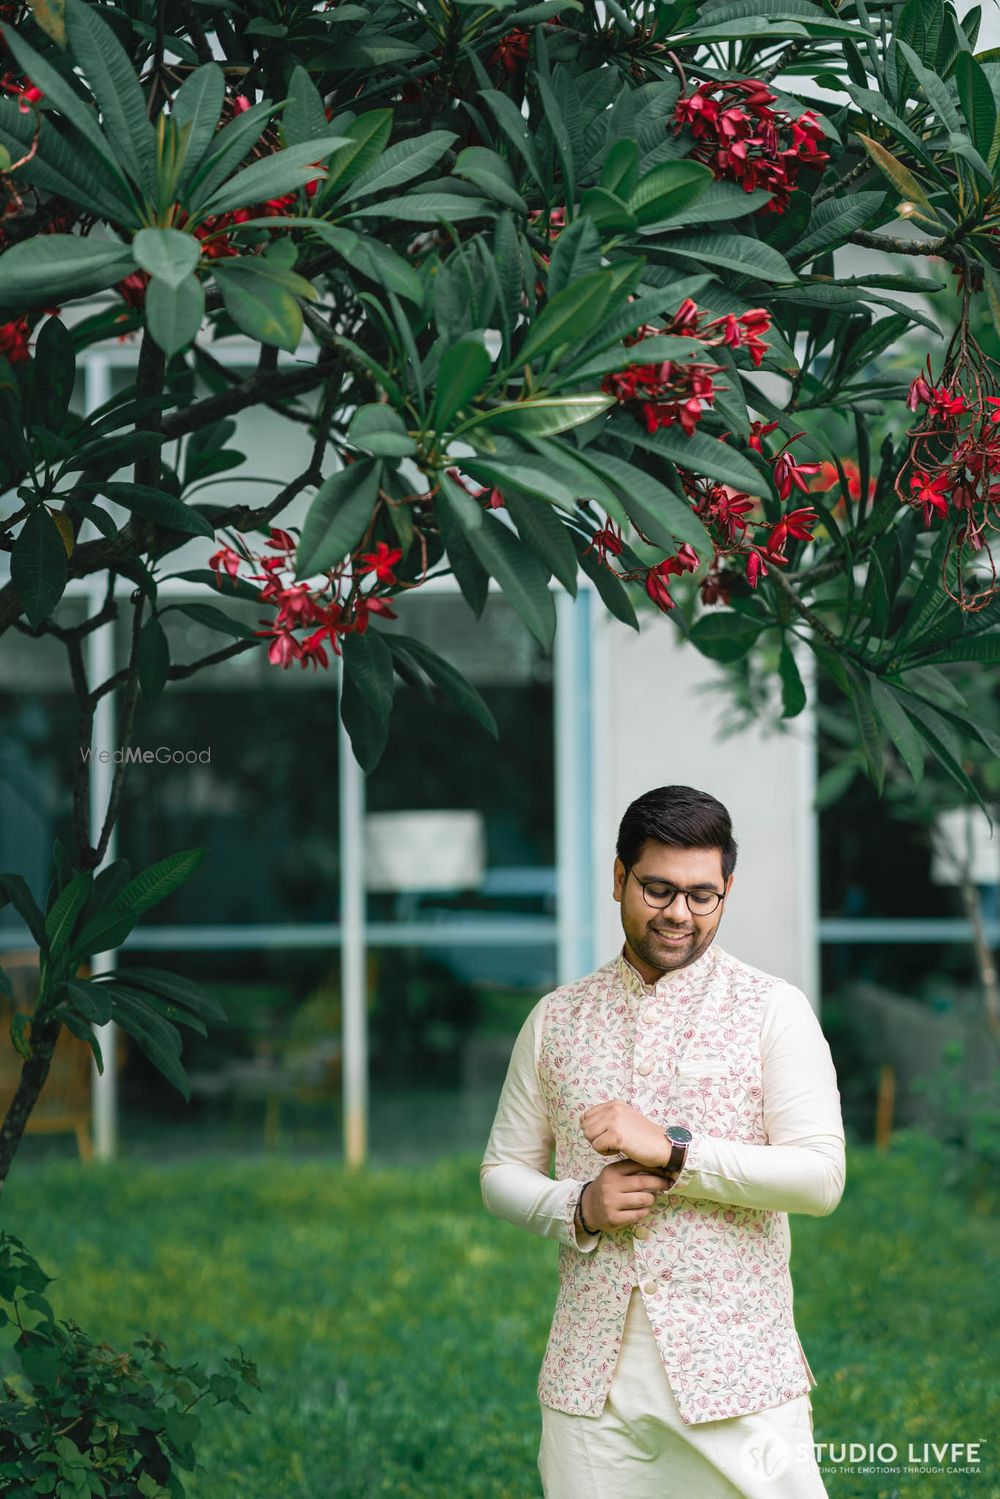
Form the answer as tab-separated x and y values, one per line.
398	1328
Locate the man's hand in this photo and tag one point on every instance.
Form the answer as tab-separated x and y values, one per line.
624	1193
616	1128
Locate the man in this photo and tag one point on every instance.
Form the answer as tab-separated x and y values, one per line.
692	1103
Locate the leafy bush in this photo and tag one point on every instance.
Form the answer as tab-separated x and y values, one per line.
83	1418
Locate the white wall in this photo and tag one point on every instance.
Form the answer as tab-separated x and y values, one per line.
656	727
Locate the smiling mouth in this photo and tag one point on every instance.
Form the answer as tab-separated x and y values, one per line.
672	936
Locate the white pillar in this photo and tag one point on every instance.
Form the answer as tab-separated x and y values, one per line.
353	977
573	776
101	664
100	661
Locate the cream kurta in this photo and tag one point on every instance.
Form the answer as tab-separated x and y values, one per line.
738	1057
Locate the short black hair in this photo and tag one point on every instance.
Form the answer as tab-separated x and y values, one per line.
682	817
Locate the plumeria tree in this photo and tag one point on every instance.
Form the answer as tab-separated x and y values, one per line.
570	289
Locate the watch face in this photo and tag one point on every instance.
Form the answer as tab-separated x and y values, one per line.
679	1135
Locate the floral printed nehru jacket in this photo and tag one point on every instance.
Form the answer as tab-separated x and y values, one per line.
737	1057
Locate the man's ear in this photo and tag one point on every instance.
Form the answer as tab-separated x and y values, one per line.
619	880
729	886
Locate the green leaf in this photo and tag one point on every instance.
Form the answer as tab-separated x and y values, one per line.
38	566
16	891
61	918
721	202
261	304
372	258
833	221
491	174
153	884
793	692
735	252
401	163
229	148
196	107
282	172
463	371
724	637
567	317
174	314
102	933
183	991
942	741
889	709
514	126
427	208
380	430
541	529
899	175
338	517
522	577
152	658
668	190
305	114
55	372
47	267
471	576
699	452
985	648
167	254
543	416
367	137
443	675
159	506
613	594
216	619
112	78
577	252
868	724
660	514
978	104
159	1039
620	171
366	696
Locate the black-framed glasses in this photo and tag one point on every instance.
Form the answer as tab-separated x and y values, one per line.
660	895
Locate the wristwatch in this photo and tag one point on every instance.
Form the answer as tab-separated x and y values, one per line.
680	1138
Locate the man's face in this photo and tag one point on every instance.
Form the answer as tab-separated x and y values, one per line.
659	941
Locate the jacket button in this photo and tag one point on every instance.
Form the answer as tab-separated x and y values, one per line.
644	1069
649	1288
640	1233
647	1017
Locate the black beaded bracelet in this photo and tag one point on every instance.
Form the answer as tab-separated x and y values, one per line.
579	1208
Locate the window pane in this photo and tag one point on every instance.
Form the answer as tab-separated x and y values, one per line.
260	794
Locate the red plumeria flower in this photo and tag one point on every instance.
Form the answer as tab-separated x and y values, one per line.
225	559
511	51
280	541
756	564
930	494
365	607
608	539
759	430
658	590
994	401
796	523
381	562
789	473
920	393
241	104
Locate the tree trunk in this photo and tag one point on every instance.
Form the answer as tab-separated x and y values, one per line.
44	1035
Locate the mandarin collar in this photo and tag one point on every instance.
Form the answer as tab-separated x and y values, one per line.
635	984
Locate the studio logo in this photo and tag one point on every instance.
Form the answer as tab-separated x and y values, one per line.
765	1456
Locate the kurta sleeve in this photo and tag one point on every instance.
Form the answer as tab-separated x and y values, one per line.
515	1175
802	1167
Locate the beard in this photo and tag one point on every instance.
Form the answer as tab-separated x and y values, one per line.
649	945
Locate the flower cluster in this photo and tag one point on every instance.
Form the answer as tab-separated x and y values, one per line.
744	140
14	340
952	470
511	51
674	391
325	614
